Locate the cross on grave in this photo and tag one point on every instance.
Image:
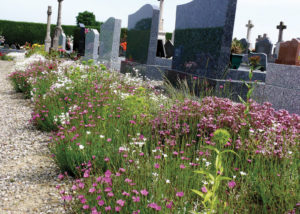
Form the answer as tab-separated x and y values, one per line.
281	27
249	27
161	20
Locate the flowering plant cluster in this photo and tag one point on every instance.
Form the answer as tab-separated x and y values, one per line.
133	150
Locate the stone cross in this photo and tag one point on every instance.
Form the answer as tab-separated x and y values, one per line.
48	37
281	27
249	27
58	29
161	20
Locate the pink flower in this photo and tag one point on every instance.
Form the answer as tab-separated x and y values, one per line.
81	185
144	192
121	202
204	190
108	208
141	154
175	153
127	180
136	212
125	193
136	199
154	206
85	207
107	189
92	190
231	184
156	165
106	159
61	176
179	194
110	194
118	209
169	205
109	140
182	166
101	203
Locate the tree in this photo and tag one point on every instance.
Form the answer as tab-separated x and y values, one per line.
87	18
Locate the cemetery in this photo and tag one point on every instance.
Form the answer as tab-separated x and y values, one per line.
105	119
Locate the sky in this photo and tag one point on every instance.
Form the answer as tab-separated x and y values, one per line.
265	14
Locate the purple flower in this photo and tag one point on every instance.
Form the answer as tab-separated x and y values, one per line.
231	184
179	194
204	190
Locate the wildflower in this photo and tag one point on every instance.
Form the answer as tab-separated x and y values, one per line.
88	132
156	165
168	181
92	190
136	198
231	184
125	193
101	136
144	192
182	166
243	173
81	147
110	194
61	176
154	206
108	208
169	205
106	159
108	139
179	194
118	209
204	190
155	174
121	202
85	207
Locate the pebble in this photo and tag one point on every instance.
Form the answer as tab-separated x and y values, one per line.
28	175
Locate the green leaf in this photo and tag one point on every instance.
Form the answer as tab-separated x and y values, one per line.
198	193
207	196
242	100
205	173
249	93
212	148
223	178
227	151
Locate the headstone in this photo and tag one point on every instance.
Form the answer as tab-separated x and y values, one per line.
48	37
81	45
62	41
280	27
264	45
110	40
169	47
263	60
289	53
259	38
13	46
276	50
6	46
91	45
245	44
142	35
249	27
203	32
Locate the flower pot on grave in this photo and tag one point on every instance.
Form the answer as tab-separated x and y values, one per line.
236	60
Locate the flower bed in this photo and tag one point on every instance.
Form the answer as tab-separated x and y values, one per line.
132	150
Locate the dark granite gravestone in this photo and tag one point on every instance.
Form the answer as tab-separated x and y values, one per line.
203	32
160	52
263	60
245	45
264	45
142	35
110	40
169	47
81	47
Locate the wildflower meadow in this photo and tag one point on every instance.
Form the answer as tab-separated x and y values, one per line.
125	146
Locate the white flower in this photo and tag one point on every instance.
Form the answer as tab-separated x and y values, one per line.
168	181
88	132
197	159
234	177
205	182
207	164
154	150
290	152
155	174
101	136
243	173
81	147
165	155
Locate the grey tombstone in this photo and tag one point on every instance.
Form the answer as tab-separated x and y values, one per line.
245	45
142	35
264	45
110	40
62	41
91	45
169	49
13	46
203	36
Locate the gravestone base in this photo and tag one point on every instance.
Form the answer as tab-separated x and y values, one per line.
112	65
152	72
6	51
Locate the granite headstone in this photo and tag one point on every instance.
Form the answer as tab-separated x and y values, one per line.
289	53
203	38
81	44
169	47
264	45
91	45
110	40
142	35
62	41
245	45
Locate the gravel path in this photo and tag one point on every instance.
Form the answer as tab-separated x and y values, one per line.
28	176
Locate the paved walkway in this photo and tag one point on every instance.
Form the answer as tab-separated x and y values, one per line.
28	176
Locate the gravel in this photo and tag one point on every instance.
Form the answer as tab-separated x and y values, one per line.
28	175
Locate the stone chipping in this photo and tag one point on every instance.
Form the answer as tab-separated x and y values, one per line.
28	174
